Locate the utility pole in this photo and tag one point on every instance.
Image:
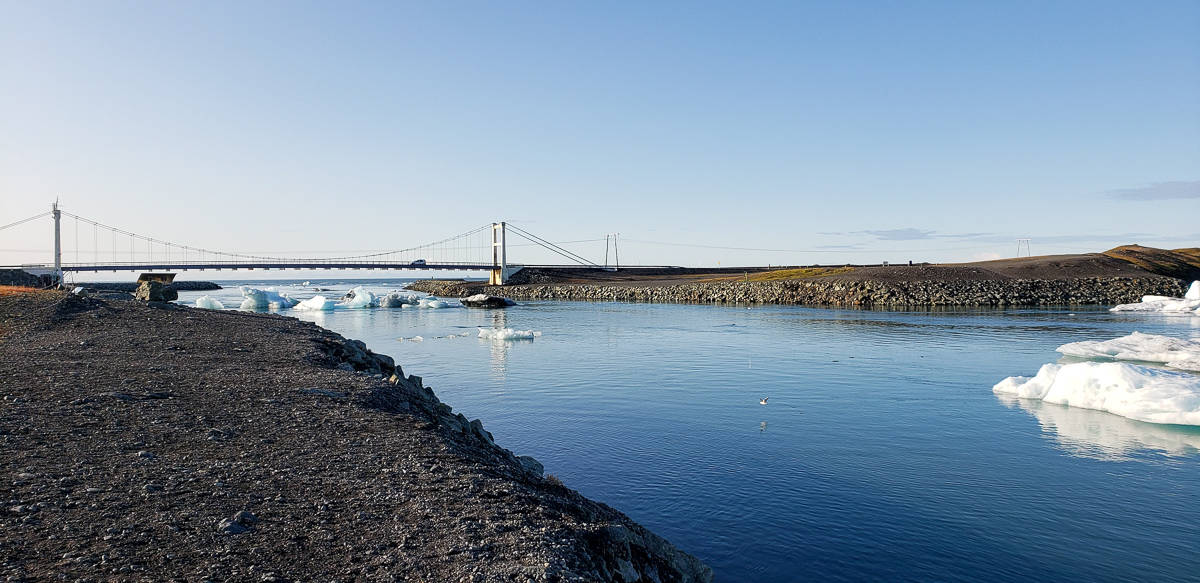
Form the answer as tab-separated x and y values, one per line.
58	272
1024	242
616	252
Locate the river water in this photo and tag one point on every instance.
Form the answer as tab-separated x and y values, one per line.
881	454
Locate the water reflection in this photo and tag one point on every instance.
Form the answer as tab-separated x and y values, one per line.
1101	435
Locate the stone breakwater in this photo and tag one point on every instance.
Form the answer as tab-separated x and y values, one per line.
840	292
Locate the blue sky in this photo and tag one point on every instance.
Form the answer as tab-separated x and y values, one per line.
814	132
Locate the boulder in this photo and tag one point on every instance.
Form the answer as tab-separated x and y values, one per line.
531	465
153	291
486	301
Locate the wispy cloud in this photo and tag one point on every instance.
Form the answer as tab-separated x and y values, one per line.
912	234
915	234
1160	191
906	234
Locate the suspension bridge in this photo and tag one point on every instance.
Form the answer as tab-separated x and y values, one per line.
484	248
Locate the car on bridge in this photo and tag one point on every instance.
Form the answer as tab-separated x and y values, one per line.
418	262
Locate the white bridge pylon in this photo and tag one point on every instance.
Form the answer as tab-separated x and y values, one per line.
500	270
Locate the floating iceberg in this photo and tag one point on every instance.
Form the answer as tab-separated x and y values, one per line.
508	334
1173	352
1190	302
316	304
397	300
433	303
486	301
1129	390
209	303
264	299
358	298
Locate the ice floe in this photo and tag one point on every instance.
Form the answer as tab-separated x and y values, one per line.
1129	390
1173	352
209	303
316	303
358	298
397	300
1189	303
508	334
433	303
264	299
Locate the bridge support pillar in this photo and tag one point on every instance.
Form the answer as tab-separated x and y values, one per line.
499	275
500	271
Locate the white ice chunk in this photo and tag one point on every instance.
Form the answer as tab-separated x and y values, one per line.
316	304
1174	352
357	298
477	298
209	303
433	303
261	299
1129	390
397	300
508	334
1190	302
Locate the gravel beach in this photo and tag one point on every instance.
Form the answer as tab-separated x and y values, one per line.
147	441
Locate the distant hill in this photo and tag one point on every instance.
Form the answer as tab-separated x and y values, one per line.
1181	263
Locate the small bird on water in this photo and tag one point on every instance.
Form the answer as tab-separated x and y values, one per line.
763	401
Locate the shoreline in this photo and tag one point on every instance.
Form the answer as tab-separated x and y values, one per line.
828	292
151	440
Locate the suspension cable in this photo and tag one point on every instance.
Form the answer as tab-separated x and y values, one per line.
23	221
551	246
151	240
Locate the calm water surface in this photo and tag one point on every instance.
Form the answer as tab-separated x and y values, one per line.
882	453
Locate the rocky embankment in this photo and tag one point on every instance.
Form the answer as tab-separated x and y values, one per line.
148	441
840	292
21	278
132	287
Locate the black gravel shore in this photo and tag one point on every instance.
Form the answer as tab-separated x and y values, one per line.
157	442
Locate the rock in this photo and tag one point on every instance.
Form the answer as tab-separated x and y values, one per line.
240	523
486	301
228	526
386	363
531	465
153	291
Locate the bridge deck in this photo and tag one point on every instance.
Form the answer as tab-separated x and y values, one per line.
181	266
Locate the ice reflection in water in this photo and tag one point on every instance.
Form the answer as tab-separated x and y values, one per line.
1101	435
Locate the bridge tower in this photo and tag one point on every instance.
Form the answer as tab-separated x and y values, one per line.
499	254
58	272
